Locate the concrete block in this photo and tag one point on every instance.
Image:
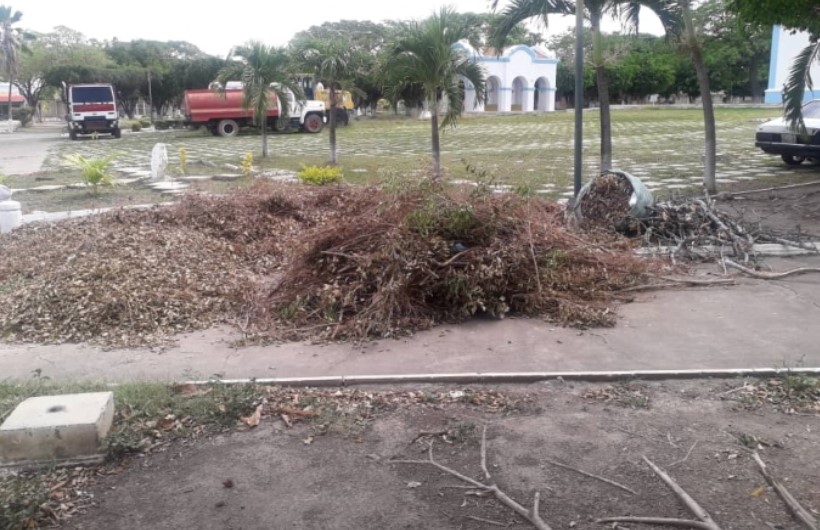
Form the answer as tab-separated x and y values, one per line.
67	428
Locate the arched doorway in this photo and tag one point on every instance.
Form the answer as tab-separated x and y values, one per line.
519	87
493	94
541	96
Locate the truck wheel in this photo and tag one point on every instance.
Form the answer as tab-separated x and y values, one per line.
72	134
227	128
280	124
313	123
792	160
116	133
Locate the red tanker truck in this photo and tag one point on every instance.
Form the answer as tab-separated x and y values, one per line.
223	114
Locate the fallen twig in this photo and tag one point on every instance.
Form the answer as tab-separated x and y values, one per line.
672	283
769	275
481	520
484	454
804	516
530	515
775	188
424	434
685	458
591	475
704	521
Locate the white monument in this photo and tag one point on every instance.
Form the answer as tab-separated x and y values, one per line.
159	162
786	45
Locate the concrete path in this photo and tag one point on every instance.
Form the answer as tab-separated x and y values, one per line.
24	151
757	324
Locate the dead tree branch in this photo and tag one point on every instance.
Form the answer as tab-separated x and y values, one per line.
484	454
704	522
591	475
685	458
530	515
769	275
803	515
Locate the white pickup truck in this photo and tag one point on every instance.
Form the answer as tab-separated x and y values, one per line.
92	108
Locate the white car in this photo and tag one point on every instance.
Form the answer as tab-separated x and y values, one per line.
777	138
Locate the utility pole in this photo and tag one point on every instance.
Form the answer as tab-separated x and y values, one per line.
579	94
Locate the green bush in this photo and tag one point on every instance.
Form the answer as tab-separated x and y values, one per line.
136	127
22	114
145	122
319	176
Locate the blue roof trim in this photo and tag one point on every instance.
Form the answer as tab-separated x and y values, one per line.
773	57
506	57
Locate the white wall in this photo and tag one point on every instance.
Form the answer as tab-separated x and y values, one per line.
785	47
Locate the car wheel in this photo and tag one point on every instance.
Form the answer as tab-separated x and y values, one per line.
792	160
313	123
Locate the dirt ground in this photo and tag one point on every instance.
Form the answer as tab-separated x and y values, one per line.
701	433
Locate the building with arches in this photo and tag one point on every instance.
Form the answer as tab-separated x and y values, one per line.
520	79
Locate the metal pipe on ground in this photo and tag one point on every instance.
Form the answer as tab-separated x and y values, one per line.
512	377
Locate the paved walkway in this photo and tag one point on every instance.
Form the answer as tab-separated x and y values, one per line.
756	324
25	151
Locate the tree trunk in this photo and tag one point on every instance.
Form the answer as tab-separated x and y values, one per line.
436	143
332	123
603	93
10	116
265	138
754	80
710	137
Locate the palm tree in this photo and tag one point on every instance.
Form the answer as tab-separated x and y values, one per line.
679	23
335	62
11	43
424	54
265	72
519	10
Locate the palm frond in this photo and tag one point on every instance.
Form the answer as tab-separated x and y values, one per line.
795	89
520	10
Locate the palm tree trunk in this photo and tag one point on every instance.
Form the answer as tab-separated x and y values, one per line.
332	124
603	92
436	142
709	166
265	137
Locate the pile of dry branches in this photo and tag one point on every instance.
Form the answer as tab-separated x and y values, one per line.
408	262
342	262
606	204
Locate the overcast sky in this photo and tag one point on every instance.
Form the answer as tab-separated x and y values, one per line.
217	26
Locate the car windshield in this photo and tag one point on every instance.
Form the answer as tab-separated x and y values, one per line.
91	94
812	109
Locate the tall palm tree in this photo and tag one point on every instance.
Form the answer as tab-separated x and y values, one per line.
520	10
11	44
265	71
424	54
335	62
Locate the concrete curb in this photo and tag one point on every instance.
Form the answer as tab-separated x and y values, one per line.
512	377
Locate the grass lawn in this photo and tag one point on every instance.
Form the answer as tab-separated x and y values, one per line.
663	146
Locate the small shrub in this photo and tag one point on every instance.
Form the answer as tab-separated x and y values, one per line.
319	176
95	171
136	127
23	115
145	123
247	164
183	160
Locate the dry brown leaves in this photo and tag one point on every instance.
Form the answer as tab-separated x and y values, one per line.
299	262
630	395
792	394
606	204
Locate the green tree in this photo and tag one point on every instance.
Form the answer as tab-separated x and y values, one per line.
424	54
335	62
11	44
265	71
802	15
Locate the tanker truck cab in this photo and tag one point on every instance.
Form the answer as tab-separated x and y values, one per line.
92	108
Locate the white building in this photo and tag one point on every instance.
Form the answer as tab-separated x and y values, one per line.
786	45
521	79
